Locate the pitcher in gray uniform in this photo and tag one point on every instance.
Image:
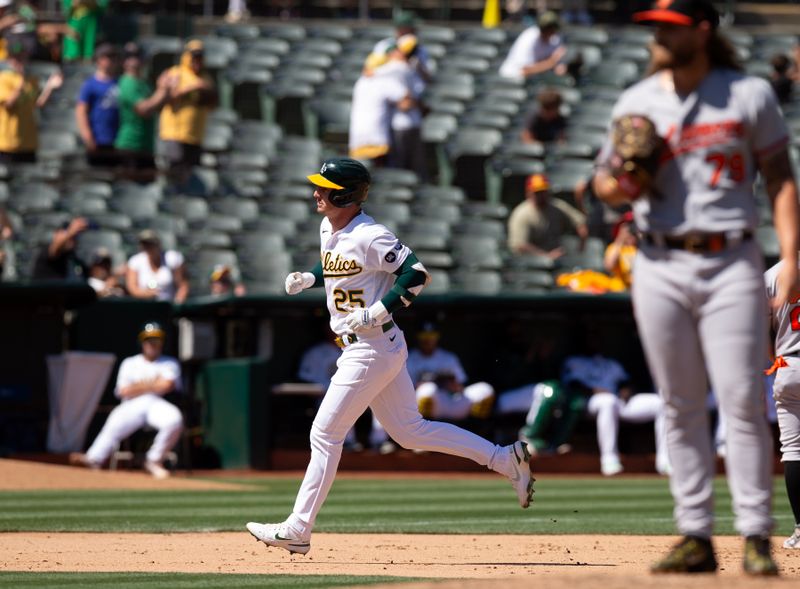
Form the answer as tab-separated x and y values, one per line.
786	390
698	291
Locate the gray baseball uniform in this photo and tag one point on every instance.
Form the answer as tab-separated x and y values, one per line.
698	290
786	390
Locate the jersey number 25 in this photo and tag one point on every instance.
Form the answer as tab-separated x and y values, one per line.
345	299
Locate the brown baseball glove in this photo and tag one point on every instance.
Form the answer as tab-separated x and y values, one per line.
637	153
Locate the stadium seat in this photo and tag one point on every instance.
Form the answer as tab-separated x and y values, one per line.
268	45
219	223
189	207
290	32
135	206
84	206
113	221
505	178
476	252
444	211
425	225
435	259
205	240
439	283
768	241
467	153
254	245
164	223
441	194
329	121
242	208
295	210
238	32
492	228
485	282
424	241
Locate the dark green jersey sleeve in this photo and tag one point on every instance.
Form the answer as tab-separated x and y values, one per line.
317	272
412	277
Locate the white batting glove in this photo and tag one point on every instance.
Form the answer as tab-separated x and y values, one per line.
362	319
297	282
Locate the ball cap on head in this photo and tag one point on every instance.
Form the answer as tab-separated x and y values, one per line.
151	330
548	20
680	12
429	330
537	183
347	178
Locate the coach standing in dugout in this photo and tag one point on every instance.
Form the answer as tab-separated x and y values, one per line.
698	291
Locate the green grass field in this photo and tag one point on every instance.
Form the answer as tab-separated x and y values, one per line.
454	506
431	505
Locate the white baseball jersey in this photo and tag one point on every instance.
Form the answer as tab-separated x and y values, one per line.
138	368
715	136
785	320
441	361
318	364
529	48
357	264
374	99
163	278
596	372
403	120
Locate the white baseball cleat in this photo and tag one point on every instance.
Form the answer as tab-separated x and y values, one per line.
793	541
157	470
280	536
521	477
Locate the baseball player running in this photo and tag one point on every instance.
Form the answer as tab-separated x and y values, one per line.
786	391
698	289
369	274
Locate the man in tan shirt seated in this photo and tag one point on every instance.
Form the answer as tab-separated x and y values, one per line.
536	225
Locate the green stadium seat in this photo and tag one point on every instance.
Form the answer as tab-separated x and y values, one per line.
113	221
189	207
289	32
136	207
442	194
485	282
440	282
219	223
205	240
241	208
238	32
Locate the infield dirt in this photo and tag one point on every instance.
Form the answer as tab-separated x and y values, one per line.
567	562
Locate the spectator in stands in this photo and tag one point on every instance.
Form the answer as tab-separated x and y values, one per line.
182	125
6	234
237	11
620	253
536	225
407	151
781	78
545	124
58	260
377	94
83	17
405	23
138	103
142	382
575	11
101	275
155	274
223	284
19	98
538	49
97	111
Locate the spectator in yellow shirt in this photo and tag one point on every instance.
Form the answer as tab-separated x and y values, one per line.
19	98
182	125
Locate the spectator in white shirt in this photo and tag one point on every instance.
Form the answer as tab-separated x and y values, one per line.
538	49
156	274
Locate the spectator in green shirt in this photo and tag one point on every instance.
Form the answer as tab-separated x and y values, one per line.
137	105
82	17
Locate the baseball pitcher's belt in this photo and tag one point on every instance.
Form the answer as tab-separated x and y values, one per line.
346	339
699	243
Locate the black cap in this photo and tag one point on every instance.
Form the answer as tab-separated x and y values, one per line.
132	49
106	50
680	12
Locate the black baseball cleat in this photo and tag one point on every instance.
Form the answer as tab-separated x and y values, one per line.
758	557
693	554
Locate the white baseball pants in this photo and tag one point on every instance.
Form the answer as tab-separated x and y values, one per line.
698	315
134	414
786	391
608	410
372	373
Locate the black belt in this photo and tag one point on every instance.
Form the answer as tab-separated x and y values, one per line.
699	242
346	339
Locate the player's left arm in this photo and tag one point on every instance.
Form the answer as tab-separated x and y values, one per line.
412	277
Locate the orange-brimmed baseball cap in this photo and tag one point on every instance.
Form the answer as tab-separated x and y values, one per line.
680	12
537	183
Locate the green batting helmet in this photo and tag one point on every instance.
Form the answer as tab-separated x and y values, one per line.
348	179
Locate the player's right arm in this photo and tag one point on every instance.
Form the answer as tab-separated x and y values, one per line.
297	282
782	190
